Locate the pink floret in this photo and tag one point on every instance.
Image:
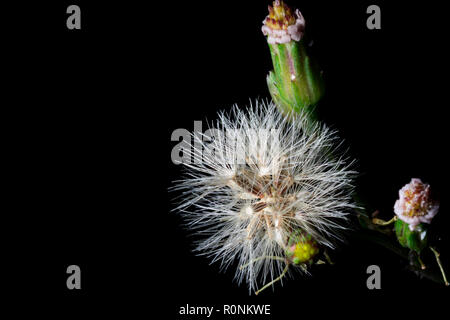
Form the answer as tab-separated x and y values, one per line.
415	205
293	32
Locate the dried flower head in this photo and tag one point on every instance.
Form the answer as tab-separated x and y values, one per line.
281	25
261	181
415	205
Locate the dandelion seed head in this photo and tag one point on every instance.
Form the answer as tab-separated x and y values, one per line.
260	179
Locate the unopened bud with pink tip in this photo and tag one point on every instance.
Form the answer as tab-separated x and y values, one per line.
296	83
281	26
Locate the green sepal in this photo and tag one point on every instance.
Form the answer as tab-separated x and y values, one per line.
415	240
295	84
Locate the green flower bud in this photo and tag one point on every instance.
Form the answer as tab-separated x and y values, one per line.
302	248
295	84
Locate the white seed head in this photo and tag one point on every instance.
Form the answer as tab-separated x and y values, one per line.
260	178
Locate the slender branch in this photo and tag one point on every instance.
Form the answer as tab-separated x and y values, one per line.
382	222
273	281
438	260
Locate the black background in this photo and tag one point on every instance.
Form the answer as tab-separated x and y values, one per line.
93	110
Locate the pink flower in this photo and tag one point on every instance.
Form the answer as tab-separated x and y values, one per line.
281	25
415	205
